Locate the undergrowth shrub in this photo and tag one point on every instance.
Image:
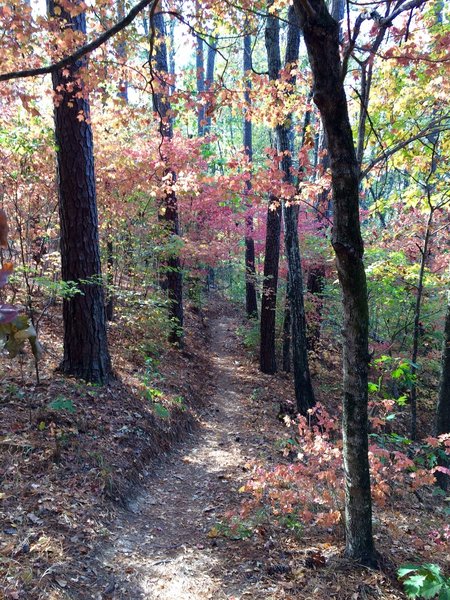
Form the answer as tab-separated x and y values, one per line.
250	335
310	490
424	581
145	319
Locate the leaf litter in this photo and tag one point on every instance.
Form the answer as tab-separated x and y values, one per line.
101	500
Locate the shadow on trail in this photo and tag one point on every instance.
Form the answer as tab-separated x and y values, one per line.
161	548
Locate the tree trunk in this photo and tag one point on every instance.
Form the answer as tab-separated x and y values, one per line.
315	286
122	54
169	208
304	394
417	324
210	65
199	60
267	358
287	328
250	272
123	94
86	354
443	405
321	35
110	281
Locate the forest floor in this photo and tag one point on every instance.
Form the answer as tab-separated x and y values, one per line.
163	536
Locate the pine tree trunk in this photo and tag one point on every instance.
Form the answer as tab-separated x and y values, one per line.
86	354
250	272
321	35
169	208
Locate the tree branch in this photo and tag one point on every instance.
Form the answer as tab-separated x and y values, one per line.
436	126
387	21
86	49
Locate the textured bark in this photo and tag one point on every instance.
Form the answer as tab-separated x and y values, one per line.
251	304
169	208
315	285
199	60
321	35
304	393
287	327
267	358
417	324
86	353
123	94
443	405
210	66
110	281
122	54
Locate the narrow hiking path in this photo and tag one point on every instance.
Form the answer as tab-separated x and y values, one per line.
166	547
160	548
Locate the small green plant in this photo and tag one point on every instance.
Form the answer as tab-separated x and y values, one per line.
256	393
58	288
161	411
398	370
179	401
249	334
292	523
424	581
235	529
62	403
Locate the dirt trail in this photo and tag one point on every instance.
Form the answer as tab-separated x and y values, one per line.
161	550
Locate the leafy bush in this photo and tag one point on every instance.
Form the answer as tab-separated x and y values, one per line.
310	490
15	329
249	334
424	581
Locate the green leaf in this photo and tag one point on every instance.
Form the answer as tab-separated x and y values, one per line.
431	588
413	585
62	403
161	411
398	373
405	569
432	568
402	400
444	594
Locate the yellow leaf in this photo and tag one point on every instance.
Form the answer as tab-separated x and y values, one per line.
213	532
